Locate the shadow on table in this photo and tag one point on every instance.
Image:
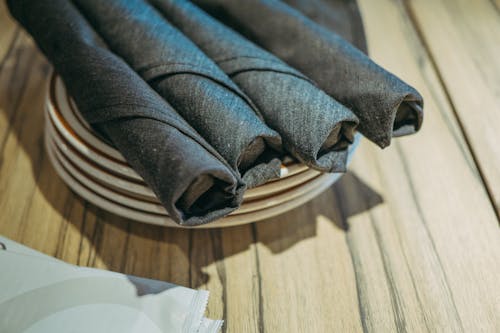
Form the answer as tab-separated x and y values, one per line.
175	255
182	256
349	196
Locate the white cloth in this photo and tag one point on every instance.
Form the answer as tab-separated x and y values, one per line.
39	293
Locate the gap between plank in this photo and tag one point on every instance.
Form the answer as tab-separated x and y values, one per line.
427	49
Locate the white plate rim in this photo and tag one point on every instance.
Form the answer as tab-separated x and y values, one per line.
327	180
149	207
141	190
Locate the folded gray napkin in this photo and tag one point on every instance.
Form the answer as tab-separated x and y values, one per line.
341	16
385	105
191	179
315	128
192	83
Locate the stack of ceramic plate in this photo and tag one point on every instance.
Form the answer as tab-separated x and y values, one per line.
96	171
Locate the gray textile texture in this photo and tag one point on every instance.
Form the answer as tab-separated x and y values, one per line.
314	127
192	83
385	105
191	179
340	16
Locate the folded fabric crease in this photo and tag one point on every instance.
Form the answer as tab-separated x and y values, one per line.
315	128
376	96
107	93
206	98
189	80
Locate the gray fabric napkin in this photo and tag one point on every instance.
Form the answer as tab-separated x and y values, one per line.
385	105
191	179
192	83
341	16
315	128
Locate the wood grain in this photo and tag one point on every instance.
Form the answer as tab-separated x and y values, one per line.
463	38
406	241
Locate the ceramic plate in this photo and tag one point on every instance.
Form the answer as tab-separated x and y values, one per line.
99	173
156	208
324	181
139	189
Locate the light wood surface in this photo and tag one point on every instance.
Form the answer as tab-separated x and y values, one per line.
463	38
406	241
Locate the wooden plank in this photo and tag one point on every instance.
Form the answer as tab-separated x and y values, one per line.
463	38
307	279
9	33
440	212
418	256
235	271
407	273
22	162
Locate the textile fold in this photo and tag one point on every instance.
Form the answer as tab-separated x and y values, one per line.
315	128
191	82
194	183
385	105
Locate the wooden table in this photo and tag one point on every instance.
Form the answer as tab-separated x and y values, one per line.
408	240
